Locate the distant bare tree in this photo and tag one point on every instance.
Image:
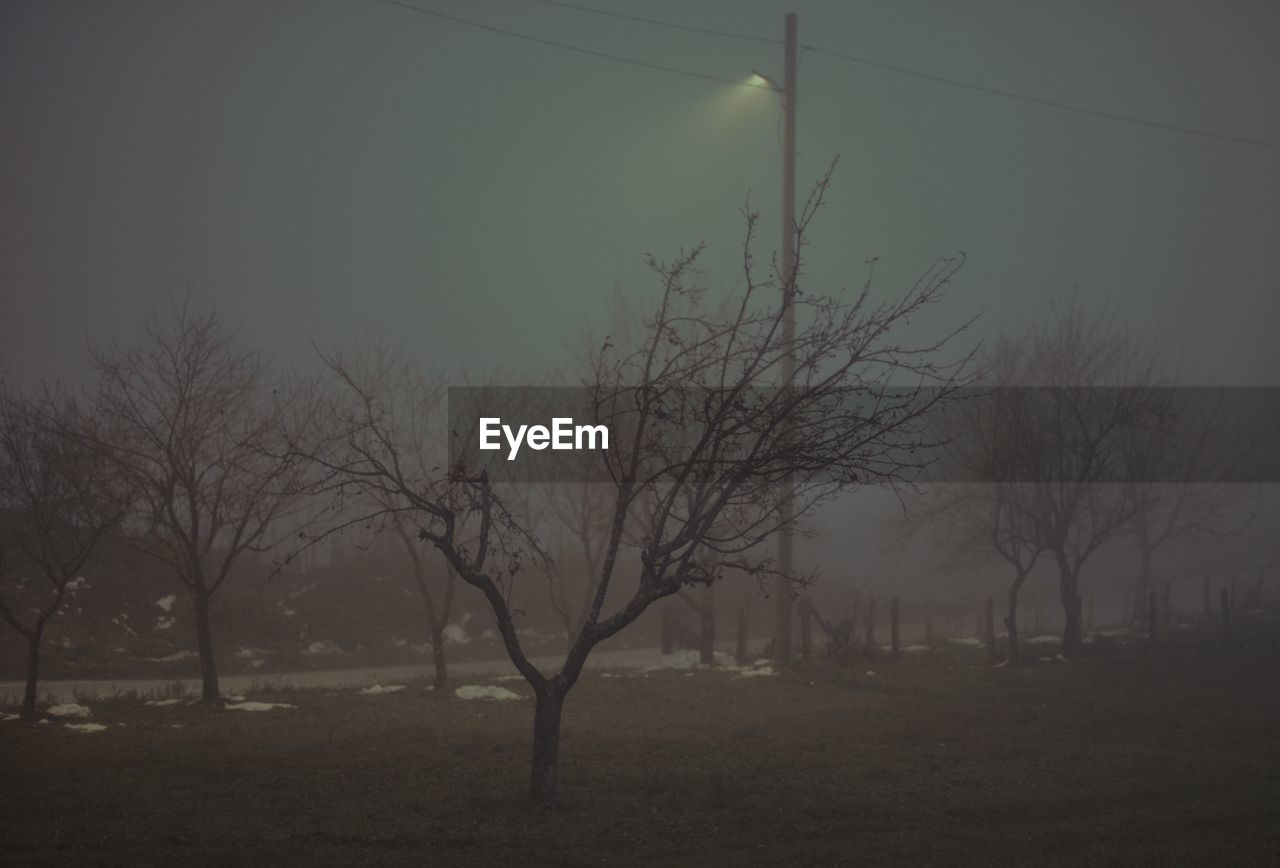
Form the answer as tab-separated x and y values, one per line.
57	500
188	416
1178	475
711	433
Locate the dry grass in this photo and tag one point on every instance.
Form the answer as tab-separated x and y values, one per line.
1126	758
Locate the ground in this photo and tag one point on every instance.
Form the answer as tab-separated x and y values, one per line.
1126	757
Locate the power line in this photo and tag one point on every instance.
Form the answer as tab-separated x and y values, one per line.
574	48
938	79
657	23
1041	101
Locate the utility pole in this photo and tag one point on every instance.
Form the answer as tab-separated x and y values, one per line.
786	508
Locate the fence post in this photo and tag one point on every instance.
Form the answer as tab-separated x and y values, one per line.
806	634
1151	618
989	627
1226	618
893	627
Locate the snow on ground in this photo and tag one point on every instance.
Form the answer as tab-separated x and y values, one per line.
456	634
166	603
379	688
325	646
1044	640
913	649
163	623
67	709
84	727
507	678
484	691
971	641
257	706
175	657
761	667
4	717
162	702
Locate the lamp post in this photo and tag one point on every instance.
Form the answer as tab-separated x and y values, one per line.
786	505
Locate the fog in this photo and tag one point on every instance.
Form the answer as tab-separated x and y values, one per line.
962	481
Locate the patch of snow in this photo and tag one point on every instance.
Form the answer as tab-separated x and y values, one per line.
67	709
288	613
257	706
163	623
4	717
245	653
507	678
175	657
379	688
1044	640
456	634
608	675
231	697
84	727
484	691
166	603
870	672
761	667
77	583
158	703
971	641
1062	659
325	646
913	649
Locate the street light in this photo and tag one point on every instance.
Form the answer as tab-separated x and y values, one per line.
786	505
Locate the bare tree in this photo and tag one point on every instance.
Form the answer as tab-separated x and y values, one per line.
189	416
1179	465
706	432
57	500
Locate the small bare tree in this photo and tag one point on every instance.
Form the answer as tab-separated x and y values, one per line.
189	416
706	431
57	500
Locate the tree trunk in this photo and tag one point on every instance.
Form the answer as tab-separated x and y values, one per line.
707	641
204	645
437	656
543	786
1068	583
33	673
1011	624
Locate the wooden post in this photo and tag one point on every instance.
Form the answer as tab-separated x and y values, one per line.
666	630
871	647
1226	618
806	632
989	626
743	615
893	627
1151	618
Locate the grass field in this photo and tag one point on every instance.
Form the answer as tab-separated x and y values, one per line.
1123	758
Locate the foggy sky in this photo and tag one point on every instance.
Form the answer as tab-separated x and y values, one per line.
334	169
